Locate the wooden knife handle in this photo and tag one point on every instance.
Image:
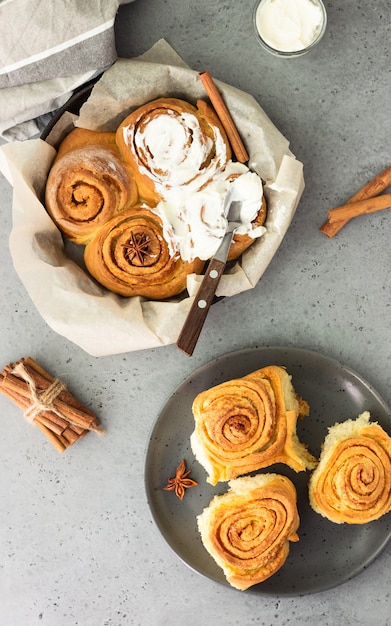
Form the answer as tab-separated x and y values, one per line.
199	309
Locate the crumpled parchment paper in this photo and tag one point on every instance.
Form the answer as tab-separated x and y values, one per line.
68	299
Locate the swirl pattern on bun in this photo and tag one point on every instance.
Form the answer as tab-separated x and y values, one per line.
87	184
248	529
352	483
249	423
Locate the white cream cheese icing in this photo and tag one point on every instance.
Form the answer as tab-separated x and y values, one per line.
196	181
195	223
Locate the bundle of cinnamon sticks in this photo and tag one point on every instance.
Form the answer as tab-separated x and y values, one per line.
47	403
367	200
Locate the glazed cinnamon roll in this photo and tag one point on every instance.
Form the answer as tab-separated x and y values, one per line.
130	256
249	423
248	529
169	143
352	483
87	184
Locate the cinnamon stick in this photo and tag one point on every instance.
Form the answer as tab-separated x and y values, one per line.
46	402
70	435
52	438
371	189
353	209
46	421
225	117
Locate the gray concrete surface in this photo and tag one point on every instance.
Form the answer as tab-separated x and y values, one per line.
78	546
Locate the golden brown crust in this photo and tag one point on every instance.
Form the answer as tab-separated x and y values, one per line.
130	256
247	424
352	483
81	137
248	529
212	120
87	185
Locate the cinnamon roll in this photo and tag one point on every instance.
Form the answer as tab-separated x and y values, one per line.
248	529
87	184
130	256
352	483
169	143
249	423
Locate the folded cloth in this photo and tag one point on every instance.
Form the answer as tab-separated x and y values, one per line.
47	50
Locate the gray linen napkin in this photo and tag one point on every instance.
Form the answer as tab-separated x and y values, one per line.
48	48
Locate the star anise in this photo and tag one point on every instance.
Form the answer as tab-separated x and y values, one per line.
181	481
137	247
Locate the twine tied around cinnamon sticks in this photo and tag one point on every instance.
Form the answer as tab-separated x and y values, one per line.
43	401
46	402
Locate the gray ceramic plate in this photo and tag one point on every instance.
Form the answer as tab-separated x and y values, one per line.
327	554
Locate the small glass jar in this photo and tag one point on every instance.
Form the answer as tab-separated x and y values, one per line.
289	28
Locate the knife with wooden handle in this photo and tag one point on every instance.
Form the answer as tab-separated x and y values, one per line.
194	322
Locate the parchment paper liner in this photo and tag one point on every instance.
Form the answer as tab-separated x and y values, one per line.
71	303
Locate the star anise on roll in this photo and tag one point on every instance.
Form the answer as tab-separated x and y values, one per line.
138	247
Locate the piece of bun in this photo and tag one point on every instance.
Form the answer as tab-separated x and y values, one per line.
352	483
249	423
248	529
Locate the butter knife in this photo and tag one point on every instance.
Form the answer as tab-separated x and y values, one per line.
195	319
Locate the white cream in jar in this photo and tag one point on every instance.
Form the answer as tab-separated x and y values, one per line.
289	25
